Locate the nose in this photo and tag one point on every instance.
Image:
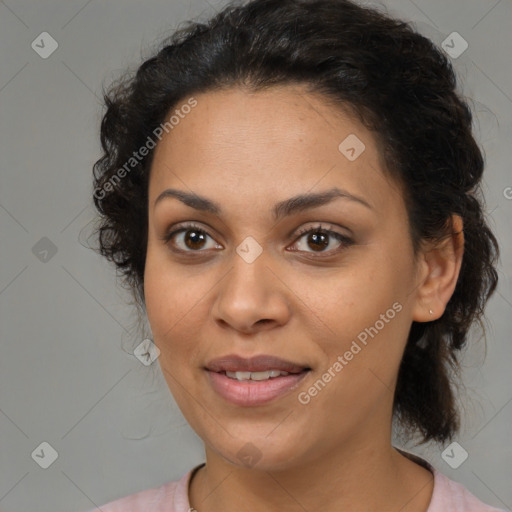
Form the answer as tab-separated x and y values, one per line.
252	297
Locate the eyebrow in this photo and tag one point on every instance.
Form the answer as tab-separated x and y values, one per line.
282	209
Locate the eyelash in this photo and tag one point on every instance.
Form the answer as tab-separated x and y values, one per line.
344	240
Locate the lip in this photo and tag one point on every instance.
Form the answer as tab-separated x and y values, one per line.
252	393
259	363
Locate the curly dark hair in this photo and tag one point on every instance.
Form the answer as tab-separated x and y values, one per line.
398	83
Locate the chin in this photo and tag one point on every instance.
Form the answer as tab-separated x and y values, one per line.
259	453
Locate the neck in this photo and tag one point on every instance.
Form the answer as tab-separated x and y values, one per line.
360	478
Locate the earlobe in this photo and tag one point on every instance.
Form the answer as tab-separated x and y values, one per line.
441	264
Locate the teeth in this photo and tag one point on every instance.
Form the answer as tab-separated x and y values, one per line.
256	375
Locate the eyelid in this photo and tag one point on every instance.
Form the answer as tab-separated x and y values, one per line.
183	227
344	240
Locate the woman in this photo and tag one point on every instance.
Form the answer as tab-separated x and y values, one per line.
292	192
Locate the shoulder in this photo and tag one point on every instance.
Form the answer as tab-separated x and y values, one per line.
448	494
453	496
169	497
143	500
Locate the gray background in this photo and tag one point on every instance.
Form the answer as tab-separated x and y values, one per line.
67	376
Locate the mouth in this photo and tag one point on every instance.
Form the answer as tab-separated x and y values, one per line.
262	363
254	381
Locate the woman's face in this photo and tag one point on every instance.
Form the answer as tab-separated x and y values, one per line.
244	281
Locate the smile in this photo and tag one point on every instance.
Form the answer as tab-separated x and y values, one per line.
265	375
250	389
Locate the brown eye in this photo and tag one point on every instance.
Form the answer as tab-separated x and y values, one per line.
194	239
190	238
319	238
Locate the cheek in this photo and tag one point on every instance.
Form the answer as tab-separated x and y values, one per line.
353	301
167	301
172	309
368	321
359	370
177	306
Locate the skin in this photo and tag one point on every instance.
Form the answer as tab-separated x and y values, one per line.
247	151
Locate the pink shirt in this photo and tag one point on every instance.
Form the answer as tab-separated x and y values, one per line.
448	496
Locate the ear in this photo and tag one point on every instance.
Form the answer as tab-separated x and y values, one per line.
439	267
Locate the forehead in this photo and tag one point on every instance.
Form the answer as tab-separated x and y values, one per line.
282	138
